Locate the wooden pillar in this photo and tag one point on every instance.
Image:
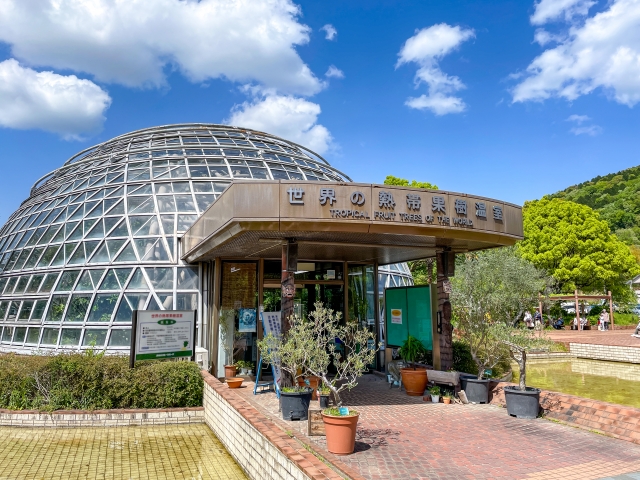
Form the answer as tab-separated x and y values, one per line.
610	309
288	290
446	337
540	310
578	327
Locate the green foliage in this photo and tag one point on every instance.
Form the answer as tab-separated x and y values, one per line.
462	359
435	390
244	364
295	389
93	381
624	319
401	182
412	350
576	247
422	271
335	412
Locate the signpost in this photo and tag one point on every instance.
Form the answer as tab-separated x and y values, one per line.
162	334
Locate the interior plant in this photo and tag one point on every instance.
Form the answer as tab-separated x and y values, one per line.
225	326
320	332
435	393
414	377
523	401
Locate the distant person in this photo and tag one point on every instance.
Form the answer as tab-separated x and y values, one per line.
637	332
528	320
605	317
601	321
537	318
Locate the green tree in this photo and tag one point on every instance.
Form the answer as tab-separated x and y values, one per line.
490	292
571	243
402	182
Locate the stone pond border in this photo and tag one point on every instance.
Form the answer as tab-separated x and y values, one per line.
617	421
101	418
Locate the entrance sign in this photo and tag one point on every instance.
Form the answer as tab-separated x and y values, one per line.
162	334
408	313
272	324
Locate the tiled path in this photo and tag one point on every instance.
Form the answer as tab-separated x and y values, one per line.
620	338
403	437
159	452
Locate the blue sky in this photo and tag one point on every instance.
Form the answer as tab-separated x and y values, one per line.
505	104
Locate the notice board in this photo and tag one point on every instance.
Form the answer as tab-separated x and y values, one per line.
408	312
160	334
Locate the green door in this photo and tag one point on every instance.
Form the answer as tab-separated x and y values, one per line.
408	312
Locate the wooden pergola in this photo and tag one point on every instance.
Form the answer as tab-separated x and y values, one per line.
577	297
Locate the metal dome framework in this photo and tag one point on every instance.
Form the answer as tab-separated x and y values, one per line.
99	237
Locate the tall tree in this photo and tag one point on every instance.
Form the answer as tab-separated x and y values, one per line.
403	182
576	247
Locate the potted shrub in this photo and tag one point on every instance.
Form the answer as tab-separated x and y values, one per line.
325	327
523	401
245	366
446	398
291	353
414	377
228	342
324	395
435	394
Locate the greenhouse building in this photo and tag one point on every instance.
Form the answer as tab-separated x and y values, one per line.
197	217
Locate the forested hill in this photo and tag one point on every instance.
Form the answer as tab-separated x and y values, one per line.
616	196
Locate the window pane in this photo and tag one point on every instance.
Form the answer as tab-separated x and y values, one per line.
70	336
77	308
13	310
25	311
187	278
18	337
7	334
33	335
67	280
120	338
49	336
103	307
94	338
186	301
36	281
56	309
38	310
161	278
48	283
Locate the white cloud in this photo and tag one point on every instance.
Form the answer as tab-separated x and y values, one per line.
291	118
426	48
602	52
579	119
591	130
65	105
330	31
544	37
334	72
548	10
135	42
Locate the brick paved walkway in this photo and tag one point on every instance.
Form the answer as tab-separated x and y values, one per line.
402	437
620	338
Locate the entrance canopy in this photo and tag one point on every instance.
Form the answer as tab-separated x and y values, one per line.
348	221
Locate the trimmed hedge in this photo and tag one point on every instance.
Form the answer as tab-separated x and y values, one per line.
92	381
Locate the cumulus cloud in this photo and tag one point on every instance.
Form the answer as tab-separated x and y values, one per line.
330	31
289	117
426	48
591	130
549	10
135	42
579	119
334	72
603	51
65	105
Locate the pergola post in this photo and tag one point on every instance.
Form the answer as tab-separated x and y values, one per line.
610	309
579	327
540	309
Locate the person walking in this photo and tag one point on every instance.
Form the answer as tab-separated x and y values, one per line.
605	318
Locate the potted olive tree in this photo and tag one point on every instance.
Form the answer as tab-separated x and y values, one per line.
523	401
292	352
324	328
414	377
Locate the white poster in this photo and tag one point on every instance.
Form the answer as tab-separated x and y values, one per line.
272	324
396	316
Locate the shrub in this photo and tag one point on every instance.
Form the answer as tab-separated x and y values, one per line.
90	382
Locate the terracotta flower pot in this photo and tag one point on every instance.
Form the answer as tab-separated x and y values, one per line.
234	382
230	371
446	400
414	380
341	433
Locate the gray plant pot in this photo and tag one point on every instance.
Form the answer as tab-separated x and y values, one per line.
324	401
522	404
463	380
477	390
295	406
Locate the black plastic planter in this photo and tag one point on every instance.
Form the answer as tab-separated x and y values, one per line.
522	403
463	380
324	401
295	406
477	390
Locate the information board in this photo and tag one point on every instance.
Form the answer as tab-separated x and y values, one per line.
408	312
272	324
162	334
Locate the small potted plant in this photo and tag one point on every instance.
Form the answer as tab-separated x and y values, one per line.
245	366
414	377
435	394
447	397
324	325
324	394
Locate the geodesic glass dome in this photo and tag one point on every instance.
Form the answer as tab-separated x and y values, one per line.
98	237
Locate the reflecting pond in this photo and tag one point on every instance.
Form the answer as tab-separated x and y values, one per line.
613	382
